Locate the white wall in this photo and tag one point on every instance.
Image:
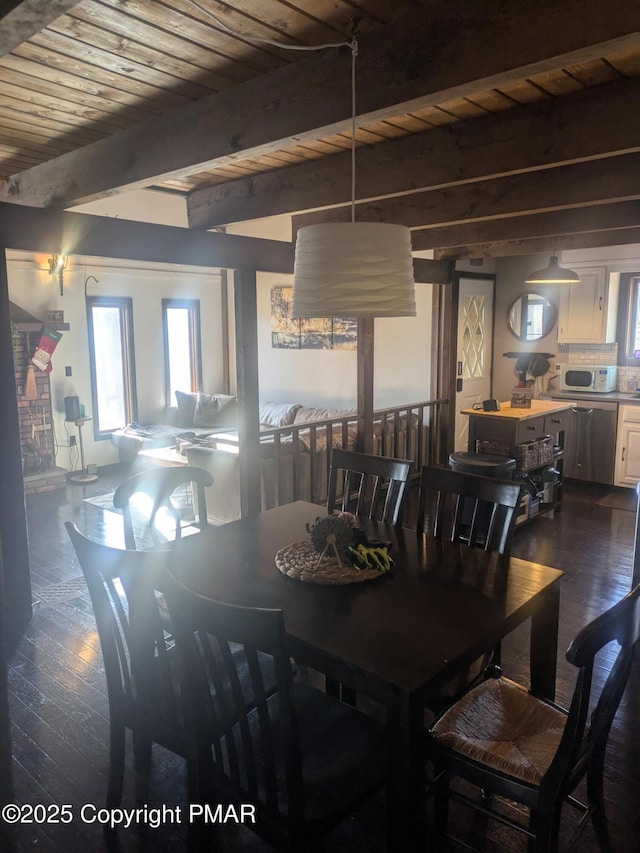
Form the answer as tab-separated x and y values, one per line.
34	289
161	208
510	284
402	359
402	348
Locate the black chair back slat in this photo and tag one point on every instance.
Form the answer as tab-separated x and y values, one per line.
141	682
620	624
467	508
243	739
365	480
581	749
159	484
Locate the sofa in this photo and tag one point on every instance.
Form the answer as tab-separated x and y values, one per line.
193	416
295	447
293	462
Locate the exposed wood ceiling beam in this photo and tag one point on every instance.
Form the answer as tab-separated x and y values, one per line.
36	230
611	180
21	20
543	226
422	63
426	271
591	240
547	133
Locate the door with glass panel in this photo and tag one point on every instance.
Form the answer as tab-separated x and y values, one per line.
474	350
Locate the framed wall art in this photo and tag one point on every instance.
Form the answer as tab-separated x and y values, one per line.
307	333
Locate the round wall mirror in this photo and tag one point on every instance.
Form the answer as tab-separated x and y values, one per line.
531	317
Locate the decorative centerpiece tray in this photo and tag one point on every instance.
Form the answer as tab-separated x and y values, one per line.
300	560
334	554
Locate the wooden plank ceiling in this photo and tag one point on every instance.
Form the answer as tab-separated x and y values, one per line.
489	128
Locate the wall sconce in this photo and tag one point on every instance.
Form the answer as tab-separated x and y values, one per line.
57	265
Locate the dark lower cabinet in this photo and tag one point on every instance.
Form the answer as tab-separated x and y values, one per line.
591	442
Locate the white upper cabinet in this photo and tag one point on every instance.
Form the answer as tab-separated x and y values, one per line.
588	310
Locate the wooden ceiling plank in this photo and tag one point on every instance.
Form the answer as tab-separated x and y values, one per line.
556	83
69	89
625	62
594	73
435	116
591	240
32	229
153	23
277	21
144	61
32	145
34	108
463	109
523	92
388	129
310	98
12	117
552	131
539	226
83	112
607	180
411	123
118	86
492	101
26	18
327	146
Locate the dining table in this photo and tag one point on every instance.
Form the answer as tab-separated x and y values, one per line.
398	638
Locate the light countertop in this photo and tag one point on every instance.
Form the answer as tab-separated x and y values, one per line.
538	407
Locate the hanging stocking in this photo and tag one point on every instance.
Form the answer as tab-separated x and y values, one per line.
48	342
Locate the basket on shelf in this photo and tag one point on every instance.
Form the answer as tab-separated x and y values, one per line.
495	446
527	455
535	453
545	450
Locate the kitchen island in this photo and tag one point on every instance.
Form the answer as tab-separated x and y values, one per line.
534	437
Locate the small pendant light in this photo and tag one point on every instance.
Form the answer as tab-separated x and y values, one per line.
553	273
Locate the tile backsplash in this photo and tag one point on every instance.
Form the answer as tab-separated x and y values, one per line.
628	377
590	353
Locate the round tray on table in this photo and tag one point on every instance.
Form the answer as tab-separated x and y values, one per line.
300	561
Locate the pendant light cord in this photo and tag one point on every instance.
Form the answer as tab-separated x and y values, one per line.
354	53
353	45
258	39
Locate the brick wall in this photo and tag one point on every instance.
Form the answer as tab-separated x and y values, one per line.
34	411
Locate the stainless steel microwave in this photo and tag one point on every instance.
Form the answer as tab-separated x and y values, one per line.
588	377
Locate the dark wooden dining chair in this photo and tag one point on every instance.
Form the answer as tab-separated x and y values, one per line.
126	588
138	655
159	485
635	576
303	759
470	509
373	486
477	513
506	741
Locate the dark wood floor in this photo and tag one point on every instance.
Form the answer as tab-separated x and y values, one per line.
59	709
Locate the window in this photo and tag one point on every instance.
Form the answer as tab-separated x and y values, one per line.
112	364
633	346
182	357
629	319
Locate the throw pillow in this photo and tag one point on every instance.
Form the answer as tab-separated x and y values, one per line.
215	410
186	408
277	414
227	411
